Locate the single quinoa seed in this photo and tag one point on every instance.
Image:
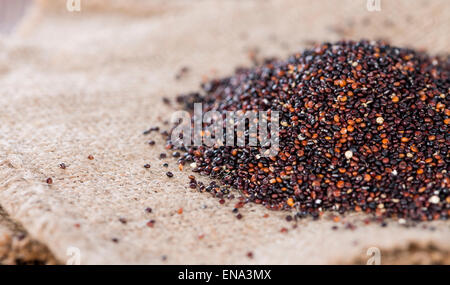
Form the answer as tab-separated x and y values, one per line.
49	180
90	157
147	166
348	154
169	174
364	127
62	165
152	129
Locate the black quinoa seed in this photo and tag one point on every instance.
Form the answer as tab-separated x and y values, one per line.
152	129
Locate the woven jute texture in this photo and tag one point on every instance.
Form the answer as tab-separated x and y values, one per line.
17	247
75	84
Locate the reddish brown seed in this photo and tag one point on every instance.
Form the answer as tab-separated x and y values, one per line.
290	202
404	139
90	157
49	180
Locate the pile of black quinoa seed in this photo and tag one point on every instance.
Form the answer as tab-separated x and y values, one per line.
364	127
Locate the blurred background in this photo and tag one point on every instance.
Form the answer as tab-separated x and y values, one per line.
11	12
